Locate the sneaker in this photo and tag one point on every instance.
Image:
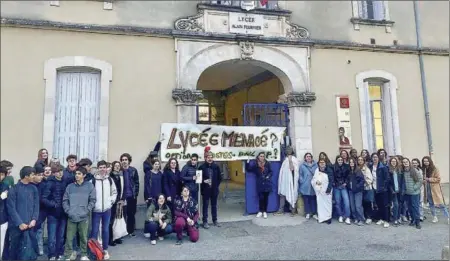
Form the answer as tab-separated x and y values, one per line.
132	234
360	223
52	258
74	255
153	242
386	224
259	215
308	216
404	219
217	224
105	255
411	224
118	241
356	222
418	226
368	221
380	222
147	235
160	238
435	219
347	221
396	223
41	252
179	242
315	217
84	258
264	215
341	219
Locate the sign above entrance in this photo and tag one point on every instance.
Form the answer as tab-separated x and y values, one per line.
227	143
242	23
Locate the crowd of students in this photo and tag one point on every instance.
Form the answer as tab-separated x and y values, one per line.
76	203
370	187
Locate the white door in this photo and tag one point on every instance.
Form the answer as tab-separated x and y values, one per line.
77	116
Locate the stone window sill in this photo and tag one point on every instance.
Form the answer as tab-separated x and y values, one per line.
358	21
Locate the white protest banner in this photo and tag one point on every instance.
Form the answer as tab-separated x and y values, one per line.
227	143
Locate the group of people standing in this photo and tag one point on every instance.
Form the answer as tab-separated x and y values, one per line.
360	187
78	204
73	201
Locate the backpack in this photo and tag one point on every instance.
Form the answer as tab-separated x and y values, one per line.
95	250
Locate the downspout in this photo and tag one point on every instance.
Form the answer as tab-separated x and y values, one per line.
423	80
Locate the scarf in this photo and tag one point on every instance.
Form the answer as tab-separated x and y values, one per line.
261	165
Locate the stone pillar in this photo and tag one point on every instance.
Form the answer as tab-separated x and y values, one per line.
186	102
300	130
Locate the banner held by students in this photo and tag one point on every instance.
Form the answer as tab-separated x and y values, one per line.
228	143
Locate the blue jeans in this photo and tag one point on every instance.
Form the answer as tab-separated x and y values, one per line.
105	218
413	206
56	229
310	204
356	205
153	228
341	196
398	206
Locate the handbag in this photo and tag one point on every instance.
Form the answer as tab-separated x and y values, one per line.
120	226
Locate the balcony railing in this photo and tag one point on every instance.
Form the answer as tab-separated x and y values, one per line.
270	5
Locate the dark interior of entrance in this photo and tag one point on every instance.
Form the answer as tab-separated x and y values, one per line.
238	93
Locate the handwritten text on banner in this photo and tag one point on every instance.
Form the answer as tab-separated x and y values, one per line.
227	143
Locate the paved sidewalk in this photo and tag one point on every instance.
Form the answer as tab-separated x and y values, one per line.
298	241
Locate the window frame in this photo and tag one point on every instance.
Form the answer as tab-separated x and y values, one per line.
357	20
390	120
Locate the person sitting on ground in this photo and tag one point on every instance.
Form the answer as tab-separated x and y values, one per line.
159	219
186	215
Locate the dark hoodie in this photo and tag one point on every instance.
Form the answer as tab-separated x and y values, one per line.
53	196
187	174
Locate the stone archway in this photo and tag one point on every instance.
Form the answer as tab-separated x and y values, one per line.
289	64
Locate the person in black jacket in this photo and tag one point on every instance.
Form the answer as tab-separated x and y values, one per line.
56	219
3	212
23	213
341	172
381	174
172	182
41	183
189	175
130	191
211	179
117	177
355	185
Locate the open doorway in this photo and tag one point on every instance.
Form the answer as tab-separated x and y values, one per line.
228	87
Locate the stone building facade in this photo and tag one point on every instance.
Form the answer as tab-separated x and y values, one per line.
98	78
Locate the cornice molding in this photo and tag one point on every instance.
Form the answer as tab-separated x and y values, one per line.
157	32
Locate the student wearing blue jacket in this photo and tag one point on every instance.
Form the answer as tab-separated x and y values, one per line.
355	185
23	213
381	174
396	189
306	173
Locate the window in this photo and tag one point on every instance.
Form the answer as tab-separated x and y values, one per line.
257	4
211	109
379	114
77	115
371	9
376	114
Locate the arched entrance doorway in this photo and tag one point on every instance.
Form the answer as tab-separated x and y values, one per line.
234	76
240	93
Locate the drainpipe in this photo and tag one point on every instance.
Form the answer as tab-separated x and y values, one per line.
423	80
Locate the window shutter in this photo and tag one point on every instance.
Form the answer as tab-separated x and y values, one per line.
89	116
362	9
378	10
66	122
